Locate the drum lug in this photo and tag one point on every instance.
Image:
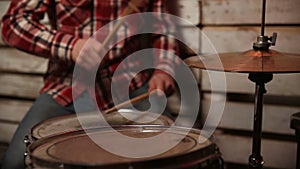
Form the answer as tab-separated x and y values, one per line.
27	140
27	161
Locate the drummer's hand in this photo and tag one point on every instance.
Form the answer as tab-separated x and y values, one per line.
163	81
86	53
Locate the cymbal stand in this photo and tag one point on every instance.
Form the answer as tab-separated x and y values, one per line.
256	160
260	79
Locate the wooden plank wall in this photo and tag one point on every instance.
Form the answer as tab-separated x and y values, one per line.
21	78
232	26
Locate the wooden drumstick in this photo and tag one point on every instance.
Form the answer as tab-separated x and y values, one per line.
128	102
132	6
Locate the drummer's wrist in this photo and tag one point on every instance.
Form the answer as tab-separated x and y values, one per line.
77	49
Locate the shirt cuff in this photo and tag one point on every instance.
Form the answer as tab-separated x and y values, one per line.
165	68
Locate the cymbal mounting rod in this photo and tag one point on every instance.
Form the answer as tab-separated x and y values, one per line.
264	42
263	19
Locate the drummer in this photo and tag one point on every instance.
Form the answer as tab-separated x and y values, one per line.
73	22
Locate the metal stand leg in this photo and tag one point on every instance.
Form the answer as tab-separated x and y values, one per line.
298	150
256	160
295	124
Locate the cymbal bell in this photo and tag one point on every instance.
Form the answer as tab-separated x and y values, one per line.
251	61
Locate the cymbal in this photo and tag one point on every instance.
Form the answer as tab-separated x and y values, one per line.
251	61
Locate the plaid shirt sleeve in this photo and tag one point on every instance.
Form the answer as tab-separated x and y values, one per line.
21	28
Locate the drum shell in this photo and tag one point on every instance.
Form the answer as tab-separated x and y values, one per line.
208	157
69	123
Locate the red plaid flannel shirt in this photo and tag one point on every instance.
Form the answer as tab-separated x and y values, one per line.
22	29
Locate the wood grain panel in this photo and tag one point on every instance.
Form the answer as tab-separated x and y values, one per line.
189	10
13	60
192	38
239	116
4	4
238	39
276	154
24	86
13	110
7	131
249	12
282	84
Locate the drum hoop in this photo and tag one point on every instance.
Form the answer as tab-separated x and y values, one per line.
190	159
34	130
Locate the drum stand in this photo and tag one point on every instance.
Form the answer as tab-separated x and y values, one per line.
256	160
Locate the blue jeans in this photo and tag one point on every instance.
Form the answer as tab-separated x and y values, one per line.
43	108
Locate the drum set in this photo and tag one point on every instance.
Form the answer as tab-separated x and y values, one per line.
61	142
51	142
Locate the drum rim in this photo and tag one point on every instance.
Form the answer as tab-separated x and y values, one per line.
34	130
44	121
189	158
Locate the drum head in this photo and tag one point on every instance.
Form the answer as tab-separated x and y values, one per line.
68	123
76	149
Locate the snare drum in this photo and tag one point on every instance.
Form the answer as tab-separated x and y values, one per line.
68	123
77	150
